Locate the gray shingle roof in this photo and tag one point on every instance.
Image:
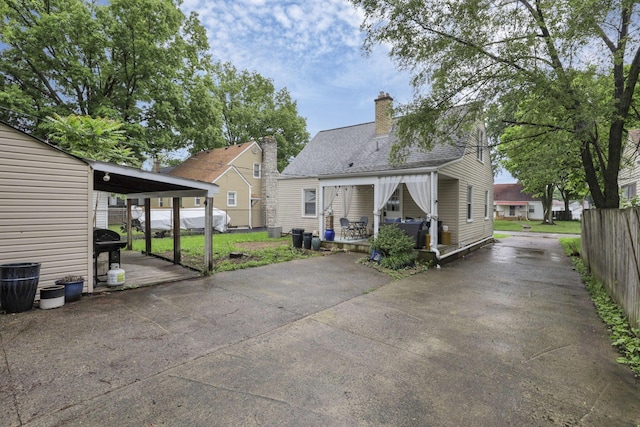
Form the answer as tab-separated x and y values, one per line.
357	150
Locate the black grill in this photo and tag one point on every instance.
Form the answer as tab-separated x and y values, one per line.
105	240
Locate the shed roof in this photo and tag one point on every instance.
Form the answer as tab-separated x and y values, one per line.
357	150
136	183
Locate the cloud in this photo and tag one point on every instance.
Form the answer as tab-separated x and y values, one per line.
311	47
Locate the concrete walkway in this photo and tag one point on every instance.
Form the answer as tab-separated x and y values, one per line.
504	337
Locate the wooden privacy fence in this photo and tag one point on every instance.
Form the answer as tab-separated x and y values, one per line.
611	251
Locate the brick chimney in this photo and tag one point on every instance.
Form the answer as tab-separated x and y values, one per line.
384	103
269	179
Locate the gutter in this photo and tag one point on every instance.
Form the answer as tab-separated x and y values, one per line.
464	248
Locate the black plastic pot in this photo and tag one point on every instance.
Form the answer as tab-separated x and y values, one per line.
306	240
18	285
296	233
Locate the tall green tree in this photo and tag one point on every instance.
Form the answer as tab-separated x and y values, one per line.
91	138
483	53
135	61
252	109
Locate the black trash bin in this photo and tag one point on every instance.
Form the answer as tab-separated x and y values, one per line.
306	240
18	285
296	233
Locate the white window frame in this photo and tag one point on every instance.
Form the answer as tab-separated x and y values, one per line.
235	199
304	203
480	146
469	203
257	170
196	201
160	202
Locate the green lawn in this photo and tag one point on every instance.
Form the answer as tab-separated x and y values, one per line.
257	249
559	227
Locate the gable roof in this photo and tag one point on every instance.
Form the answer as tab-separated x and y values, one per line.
209	165
357	150
511	193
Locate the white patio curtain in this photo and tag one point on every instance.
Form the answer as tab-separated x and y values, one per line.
330	193
385	188
419	187
347	196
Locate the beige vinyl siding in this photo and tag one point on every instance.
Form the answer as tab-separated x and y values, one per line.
449	207
232	181
45	208
290	204
468	171
243	165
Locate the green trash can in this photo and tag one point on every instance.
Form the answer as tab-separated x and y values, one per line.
18	286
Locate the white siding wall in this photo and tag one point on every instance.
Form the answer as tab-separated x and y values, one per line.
290	205
45	211
468	171
630	172
100	209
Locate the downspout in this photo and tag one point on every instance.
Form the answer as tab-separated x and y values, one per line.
321	216
250	210
434	215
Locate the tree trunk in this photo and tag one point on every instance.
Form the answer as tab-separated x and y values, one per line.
547	204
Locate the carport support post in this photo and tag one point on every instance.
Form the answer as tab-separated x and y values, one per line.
208	234
176	231
129	231
147	226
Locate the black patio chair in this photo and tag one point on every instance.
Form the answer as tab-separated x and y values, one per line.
347	231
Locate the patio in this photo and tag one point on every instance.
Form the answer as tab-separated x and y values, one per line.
142	270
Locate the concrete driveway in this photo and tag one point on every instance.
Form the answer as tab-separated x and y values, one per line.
505	337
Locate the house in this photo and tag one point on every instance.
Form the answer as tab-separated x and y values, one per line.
511	202
629	176
47	204
238	171
345	172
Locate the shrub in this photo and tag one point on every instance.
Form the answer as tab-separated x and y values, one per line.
395	246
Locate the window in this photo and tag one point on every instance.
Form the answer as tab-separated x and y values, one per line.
486	204
309	202
469	203
196	201
393	204
160	202
629	191
532	209
480	145
232	198
257	170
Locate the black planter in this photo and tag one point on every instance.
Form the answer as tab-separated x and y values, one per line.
18	285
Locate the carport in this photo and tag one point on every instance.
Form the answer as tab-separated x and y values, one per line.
139	184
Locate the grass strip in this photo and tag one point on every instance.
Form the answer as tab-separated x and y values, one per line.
625	338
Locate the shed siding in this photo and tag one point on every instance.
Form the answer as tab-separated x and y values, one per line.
290	205
45	211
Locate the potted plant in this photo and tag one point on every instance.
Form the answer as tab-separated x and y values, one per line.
73	286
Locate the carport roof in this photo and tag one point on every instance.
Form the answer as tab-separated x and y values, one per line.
136	183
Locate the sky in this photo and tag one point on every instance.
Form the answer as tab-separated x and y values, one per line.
313	48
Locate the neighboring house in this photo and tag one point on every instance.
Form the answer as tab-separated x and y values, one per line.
238	171
575	207
47	203
629	176
345	172
511	202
